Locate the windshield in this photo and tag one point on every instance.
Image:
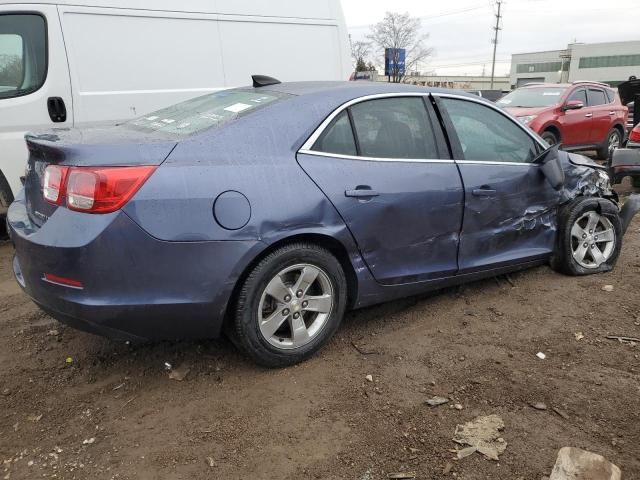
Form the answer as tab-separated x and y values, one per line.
23	54
533	97
208	111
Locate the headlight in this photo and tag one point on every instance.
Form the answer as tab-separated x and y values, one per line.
528	119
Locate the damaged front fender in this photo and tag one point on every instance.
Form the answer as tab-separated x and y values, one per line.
585	178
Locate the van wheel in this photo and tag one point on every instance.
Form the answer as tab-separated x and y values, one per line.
550	137
589	237
613	142
6	198
290	305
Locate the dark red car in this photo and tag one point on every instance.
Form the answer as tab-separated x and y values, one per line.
580	115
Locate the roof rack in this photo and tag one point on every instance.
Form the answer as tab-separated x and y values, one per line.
591	82
533	83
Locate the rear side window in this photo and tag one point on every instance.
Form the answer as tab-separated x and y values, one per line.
597	97
206	112
579	95
23	54
486	135
611	95
394	128
338	138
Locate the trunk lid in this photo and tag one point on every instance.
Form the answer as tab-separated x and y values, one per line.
114	146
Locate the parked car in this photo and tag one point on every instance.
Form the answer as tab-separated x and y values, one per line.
629	91
268	211
492	95
580	116
625	162
85	63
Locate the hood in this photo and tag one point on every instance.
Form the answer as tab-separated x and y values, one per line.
628	91
526	111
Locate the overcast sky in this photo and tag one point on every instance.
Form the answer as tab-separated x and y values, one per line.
461	30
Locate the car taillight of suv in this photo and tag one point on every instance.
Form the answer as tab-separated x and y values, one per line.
580	115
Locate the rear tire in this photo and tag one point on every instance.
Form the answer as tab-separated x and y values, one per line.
281	319
593	222
550	137
613	141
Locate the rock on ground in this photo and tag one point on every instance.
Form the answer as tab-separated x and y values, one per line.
577	464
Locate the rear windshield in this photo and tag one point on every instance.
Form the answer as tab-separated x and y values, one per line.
533	97
208	111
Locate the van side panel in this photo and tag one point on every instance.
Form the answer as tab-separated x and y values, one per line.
288	52
124	65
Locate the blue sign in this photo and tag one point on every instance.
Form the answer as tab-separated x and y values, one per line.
394	61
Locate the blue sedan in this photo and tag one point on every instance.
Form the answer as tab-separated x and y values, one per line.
265	212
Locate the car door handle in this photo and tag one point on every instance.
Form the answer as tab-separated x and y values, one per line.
589	115
484	192
612	113
57	109
361	192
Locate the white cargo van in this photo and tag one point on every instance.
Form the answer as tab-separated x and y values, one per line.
75	63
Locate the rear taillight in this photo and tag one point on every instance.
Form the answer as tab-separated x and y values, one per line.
98	190
634	136
54	182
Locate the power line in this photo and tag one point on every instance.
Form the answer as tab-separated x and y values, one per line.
497	29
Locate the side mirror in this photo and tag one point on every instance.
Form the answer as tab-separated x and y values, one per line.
573	105
551	167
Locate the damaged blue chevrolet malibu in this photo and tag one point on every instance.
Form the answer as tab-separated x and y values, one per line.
265	212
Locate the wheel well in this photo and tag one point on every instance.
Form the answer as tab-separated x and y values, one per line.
620	129
555	130
329	243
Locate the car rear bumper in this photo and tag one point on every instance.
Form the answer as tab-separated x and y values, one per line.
132	286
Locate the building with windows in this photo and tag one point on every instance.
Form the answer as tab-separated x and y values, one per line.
612	63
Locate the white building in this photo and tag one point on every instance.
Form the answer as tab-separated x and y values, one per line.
612	63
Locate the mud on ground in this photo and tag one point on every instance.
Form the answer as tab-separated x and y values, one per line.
114	413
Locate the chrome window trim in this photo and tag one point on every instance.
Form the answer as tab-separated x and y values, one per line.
373	159
308	145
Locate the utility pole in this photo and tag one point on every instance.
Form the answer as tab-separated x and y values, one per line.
495	41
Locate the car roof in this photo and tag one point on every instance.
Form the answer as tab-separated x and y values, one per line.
354	89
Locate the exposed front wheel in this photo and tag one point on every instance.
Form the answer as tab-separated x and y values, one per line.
290	305
550	137
589	237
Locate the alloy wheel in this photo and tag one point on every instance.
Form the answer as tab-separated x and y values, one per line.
593	240
295	306
614	141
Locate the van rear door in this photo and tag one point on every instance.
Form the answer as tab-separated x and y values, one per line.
35	88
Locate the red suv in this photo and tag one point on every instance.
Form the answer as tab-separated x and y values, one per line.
580	115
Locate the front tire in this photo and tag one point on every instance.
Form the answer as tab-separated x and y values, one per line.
589	237
550	138
290	305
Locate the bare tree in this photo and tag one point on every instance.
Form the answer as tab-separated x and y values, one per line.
401	31
360	51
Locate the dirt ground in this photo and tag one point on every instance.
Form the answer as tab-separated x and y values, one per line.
114	413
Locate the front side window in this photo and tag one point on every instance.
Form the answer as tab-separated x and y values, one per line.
23	54
394	128
579	95
486	135
597	97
